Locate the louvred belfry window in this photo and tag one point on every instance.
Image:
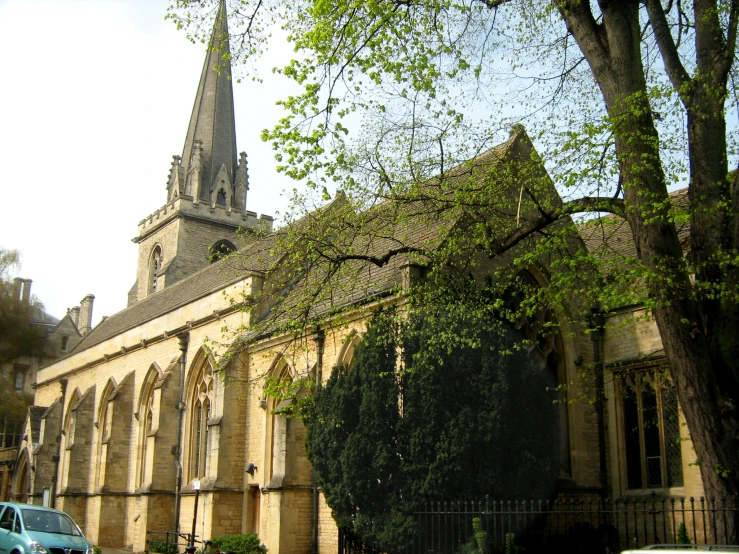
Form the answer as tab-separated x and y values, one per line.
155	265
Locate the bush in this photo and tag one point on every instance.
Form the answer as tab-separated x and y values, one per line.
163	547
239	544
682	535
97	550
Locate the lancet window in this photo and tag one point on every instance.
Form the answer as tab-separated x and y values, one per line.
201	401
105	423
155	266
146	427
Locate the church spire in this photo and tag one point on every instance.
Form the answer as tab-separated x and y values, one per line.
209	152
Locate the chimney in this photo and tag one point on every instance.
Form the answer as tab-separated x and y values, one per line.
74	313
27	290
17	287
85	320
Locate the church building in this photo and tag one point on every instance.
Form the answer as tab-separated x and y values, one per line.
138	431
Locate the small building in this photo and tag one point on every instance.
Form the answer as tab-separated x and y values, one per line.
55	339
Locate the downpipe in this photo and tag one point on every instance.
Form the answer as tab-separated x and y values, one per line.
184	339
319	337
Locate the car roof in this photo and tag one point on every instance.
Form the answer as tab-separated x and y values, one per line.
30	507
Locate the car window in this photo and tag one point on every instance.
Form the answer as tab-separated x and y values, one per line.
49	522
9	516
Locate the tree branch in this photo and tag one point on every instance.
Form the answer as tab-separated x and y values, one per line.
675	69
578	16
379	261
586	204
731	36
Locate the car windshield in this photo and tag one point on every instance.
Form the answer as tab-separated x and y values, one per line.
49	522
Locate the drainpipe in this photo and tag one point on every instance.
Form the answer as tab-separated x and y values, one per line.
57	459
319	337
598	329
177	450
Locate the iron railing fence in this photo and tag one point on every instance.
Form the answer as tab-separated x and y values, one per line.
571	526
167	542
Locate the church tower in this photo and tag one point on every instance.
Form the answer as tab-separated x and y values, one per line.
206	188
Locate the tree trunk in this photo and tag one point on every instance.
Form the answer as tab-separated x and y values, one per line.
612	48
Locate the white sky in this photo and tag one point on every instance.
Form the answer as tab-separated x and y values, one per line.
95	98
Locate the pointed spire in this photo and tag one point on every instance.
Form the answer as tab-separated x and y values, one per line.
212	121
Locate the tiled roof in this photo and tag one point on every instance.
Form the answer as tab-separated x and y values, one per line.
610	236
419	224
255	257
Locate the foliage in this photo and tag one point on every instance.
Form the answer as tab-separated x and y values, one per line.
510	544
478	542
623	101
19	336
682	534
163	547
14	405
412	421
239	544
97	550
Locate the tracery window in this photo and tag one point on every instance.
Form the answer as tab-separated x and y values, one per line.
200	411
221	197
538	327
651	431
155	266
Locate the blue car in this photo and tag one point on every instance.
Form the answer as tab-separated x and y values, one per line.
29	529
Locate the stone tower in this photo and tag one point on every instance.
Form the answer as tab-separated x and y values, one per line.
206	188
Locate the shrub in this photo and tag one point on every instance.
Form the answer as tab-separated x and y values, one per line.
682	535
239	544
163	547
97	550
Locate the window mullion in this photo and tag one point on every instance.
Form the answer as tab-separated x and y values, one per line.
642	441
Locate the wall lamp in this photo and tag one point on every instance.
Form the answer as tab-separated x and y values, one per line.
250	468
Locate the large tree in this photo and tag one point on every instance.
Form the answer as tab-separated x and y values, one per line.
395	431
18	336
624	98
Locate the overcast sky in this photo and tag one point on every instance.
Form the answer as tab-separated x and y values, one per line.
95	98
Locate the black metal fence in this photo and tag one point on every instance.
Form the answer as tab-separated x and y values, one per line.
167	542
562	526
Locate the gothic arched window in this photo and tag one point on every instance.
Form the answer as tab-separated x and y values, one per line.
201	399
146	417
651	430
105	424
155	266
538	326
347	350
70	426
